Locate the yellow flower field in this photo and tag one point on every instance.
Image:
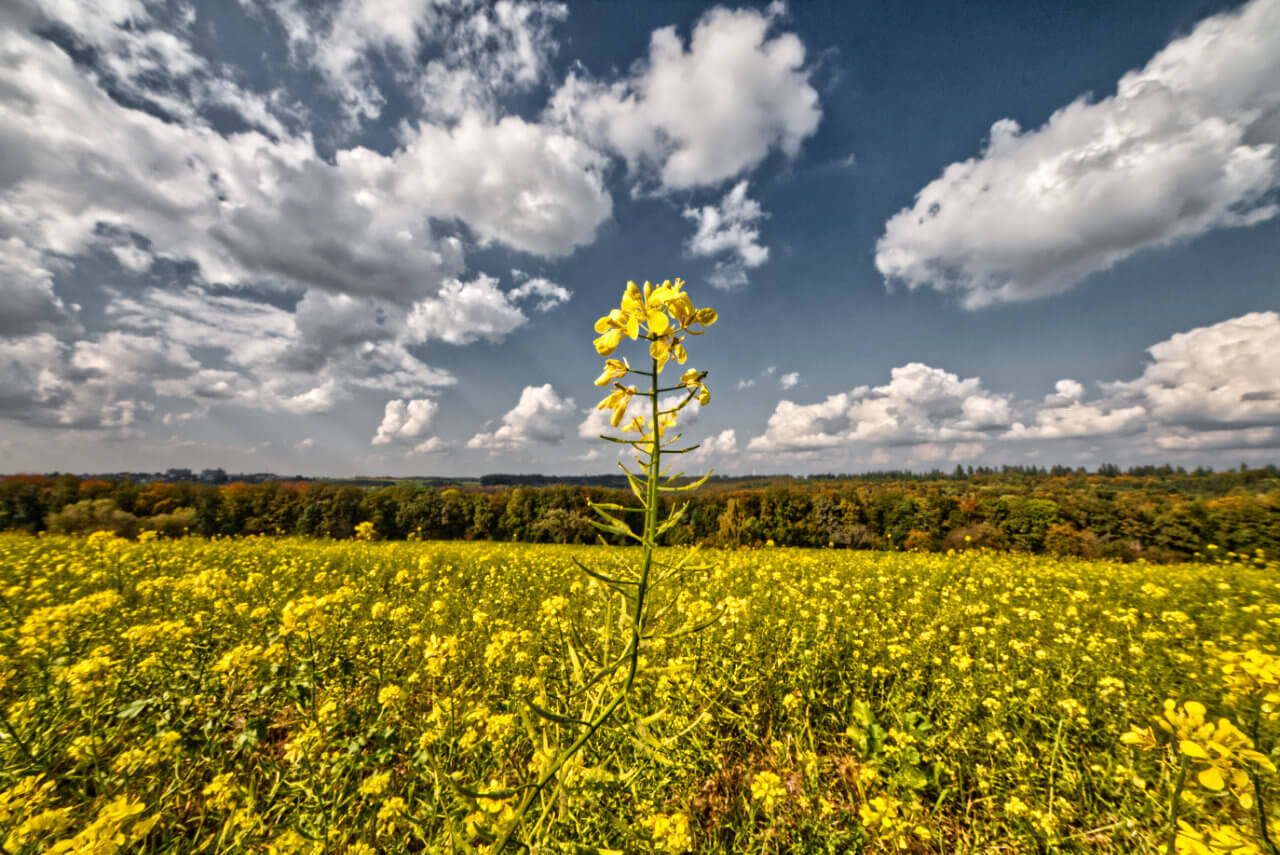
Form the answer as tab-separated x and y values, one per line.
291	696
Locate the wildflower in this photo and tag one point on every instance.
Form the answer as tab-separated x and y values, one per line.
613	369
375	785
618	400
767	788
670	832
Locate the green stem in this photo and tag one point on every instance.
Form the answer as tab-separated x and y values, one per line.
18	740
1173	808
637	629
1259	806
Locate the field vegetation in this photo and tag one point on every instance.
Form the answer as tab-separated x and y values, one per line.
286	696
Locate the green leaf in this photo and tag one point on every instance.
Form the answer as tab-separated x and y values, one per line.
911	777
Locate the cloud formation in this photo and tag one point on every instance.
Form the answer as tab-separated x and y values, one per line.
538	417
729	229
266	208
403	421
919	404
1187	144
705	113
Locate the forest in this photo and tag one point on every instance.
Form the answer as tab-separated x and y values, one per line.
1153	513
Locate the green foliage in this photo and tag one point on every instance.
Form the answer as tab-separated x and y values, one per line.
1159	516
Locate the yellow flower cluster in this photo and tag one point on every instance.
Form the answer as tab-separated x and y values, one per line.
666	316
307	696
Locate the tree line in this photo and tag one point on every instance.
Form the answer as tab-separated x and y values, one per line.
1159	516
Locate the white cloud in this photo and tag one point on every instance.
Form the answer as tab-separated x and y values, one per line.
252	209
1186	145
538	417
482	50
725	442
919	405
745	383
549	294
1219	440
1209	388
318	399
1218	376
1064	415
304	444
405	420
789	380
255	354
464	312
431	445
107	382
730	228
704	114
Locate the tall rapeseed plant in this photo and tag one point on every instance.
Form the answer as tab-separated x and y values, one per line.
664	317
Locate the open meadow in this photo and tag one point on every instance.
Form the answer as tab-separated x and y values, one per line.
292	696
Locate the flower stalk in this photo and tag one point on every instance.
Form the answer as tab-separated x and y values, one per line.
663	316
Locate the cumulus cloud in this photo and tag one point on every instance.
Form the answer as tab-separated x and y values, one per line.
1187	144
107	382
920	404
538	417
482	50
548	293
464	312
725	442
1218	376
259	355
729	229
1064	415
431	445
405	420
250	208
789	380
1209	388
704	113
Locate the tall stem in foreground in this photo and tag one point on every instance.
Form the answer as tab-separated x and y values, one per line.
669	316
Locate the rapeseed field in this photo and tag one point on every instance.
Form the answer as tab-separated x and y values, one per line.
291	696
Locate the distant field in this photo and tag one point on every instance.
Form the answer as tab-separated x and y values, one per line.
304	696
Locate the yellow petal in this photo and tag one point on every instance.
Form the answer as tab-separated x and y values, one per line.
681	354
631	299
1211	779
608	342
707	317
633	325
1193	749
658	322
603	324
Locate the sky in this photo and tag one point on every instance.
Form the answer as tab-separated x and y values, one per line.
372	236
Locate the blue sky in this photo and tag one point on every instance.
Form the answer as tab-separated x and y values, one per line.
372	237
